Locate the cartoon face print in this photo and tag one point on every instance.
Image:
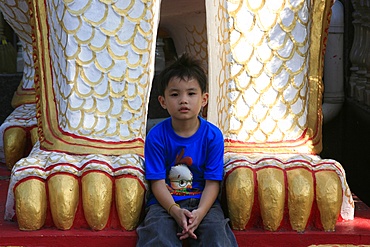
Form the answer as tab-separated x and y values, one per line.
180	175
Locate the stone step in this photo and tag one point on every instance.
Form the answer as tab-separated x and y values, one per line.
353	233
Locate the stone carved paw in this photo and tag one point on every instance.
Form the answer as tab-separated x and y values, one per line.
19	133
70	185
291	192
94	190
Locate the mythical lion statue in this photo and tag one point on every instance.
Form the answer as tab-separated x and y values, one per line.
88	75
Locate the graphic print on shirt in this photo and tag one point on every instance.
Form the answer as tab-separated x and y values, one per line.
180	176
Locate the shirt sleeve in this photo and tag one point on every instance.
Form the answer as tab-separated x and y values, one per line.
154	156
215	156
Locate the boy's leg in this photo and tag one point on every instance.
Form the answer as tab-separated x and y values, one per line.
158	229
214	230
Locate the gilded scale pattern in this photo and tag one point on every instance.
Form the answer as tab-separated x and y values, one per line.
197	43
267	89
270	88
101	70
187	29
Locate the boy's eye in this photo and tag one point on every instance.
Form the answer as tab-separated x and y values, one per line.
173	94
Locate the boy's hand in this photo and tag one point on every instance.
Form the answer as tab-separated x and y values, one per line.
193	223
189	232
209	196
182	217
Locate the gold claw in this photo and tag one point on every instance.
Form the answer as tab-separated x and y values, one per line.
129	201
63	199
329	198
271	194
240	197
300	197
30	200
14	145
96	199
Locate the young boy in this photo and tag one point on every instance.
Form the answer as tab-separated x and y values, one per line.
184	165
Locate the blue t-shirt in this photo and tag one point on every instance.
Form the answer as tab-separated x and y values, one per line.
184	162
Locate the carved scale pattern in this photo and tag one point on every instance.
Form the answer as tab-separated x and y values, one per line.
267	91
100	74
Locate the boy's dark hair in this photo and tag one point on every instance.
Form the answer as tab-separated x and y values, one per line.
185	68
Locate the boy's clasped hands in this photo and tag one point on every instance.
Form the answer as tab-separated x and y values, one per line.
188	221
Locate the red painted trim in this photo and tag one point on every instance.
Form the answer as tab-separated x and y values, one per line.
356	232
51	167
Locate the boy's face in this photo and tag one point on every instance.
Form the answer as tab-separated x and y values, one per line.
183	99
